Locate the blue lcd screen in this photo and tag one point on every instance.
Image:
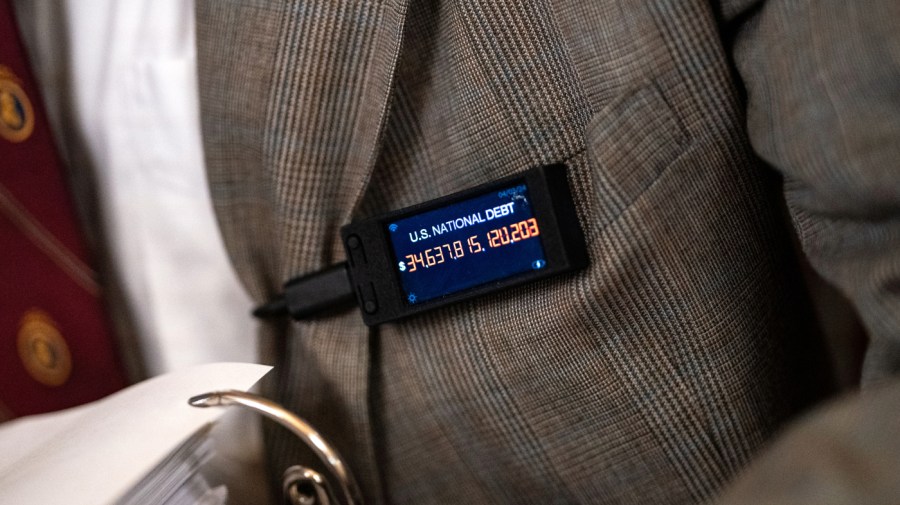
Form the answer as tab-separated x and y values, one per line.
466	244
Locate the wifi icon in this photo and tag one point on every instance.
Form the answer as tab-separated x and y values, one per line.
393	227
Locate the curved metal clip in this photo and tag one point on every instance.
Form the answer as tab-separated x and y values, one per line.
302	486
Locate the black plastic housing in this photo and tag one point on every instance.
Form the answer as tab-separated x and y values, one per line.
372	265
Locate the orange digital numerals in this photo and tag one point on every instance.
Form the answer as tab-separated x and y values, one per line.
513	233
436	255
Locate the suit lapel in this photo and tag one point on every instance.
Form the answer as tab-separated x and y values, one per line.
294	98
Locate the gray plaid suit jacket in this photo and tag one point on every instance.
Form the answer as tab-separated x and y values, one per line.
658	373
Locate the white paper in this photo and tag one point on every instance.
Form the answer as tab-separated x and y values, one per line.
95	453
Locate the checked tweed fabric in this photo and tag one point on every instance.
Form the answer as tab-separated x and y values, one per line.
658	373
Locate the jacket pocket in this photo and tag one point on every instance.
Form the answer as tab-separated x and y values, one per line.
631	142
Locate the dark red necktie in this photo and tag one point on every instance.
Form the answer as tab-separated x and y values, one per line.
57	349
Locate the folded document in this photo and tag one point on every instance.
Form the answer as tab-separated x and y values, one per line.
144	444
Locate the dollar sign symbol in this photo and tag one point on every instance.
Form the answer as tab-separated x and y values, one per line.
402	266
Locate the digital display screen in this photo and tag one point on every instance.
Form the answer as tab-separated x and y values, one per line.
466	244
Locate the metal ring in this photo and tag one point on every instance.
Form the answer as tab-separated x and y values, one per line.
304	486
327	454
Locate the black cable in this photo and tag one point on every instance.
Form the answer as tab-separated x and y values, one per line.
311	294
272	308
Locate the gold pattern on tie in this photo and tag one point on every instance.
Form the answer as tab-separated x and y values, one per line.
43	350
16	113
